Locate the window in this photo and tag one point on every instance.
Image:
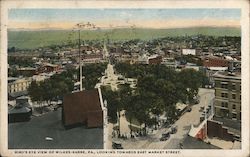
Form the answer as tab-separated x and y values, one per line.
224	95
224	104
233	96
225	112
224	85
233	86
234	106
234	115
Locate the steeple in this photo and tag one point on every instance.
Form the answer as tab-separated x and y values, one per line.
105	51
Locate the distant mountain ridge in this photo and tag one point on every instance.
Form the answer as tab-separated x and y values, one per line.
30	39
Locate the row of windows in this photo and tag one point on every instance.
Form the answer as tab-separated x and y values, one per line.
17	90
225	95
226	86
225	113
225	104
20	84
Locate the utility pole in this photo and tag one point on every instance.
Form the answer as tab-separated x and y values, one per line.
87	25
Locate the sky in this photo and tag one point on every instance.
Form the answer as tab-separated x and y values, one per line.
106	18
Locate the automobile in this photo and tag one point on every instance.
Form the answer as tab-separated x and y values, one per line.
189	109
173	129
196	101
116	145
207	110
165	136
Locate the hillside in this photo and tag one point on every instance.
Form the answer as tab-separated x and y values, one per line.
34	39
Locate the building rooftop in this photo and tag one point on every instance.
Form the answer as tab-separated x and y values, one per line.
35	133
83	107
223	143
19	110
232	125
193	143
228	75
17	94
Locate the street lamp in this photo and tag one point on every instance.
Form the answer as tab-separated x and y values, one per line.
80	26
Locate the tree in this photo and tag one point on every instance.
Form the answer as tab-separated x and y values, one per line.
47	90
33	91
112	103
125	94
36	93
55	87
157	109
191	80
91	73
158	89
129	106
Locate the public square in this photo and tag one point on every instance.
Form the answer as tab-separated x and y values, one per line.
152	141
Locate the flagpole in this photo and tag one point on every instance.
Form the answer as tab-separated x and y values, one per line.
87	25
80	59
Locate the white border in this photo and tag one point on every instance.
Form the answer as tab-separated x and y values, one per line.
242	4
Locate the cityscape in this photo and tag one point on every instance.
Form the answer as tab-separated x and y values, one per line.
124	79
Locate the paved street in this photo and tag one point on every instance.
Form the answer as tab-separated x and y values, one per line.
184	123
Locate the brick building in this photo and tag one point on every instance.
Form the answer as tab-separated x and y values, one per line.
215	62
84	107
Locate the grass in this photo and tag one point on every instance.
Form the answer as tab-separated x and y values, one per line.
35	39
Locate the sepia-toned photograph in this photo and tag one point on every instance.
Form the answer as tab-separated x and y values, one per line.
121	78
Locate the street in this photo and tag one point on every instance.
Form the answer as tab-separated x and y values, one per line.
152	141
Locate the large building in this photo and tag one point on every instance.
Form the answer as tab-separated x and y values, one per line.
83	107
228	95
18	84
